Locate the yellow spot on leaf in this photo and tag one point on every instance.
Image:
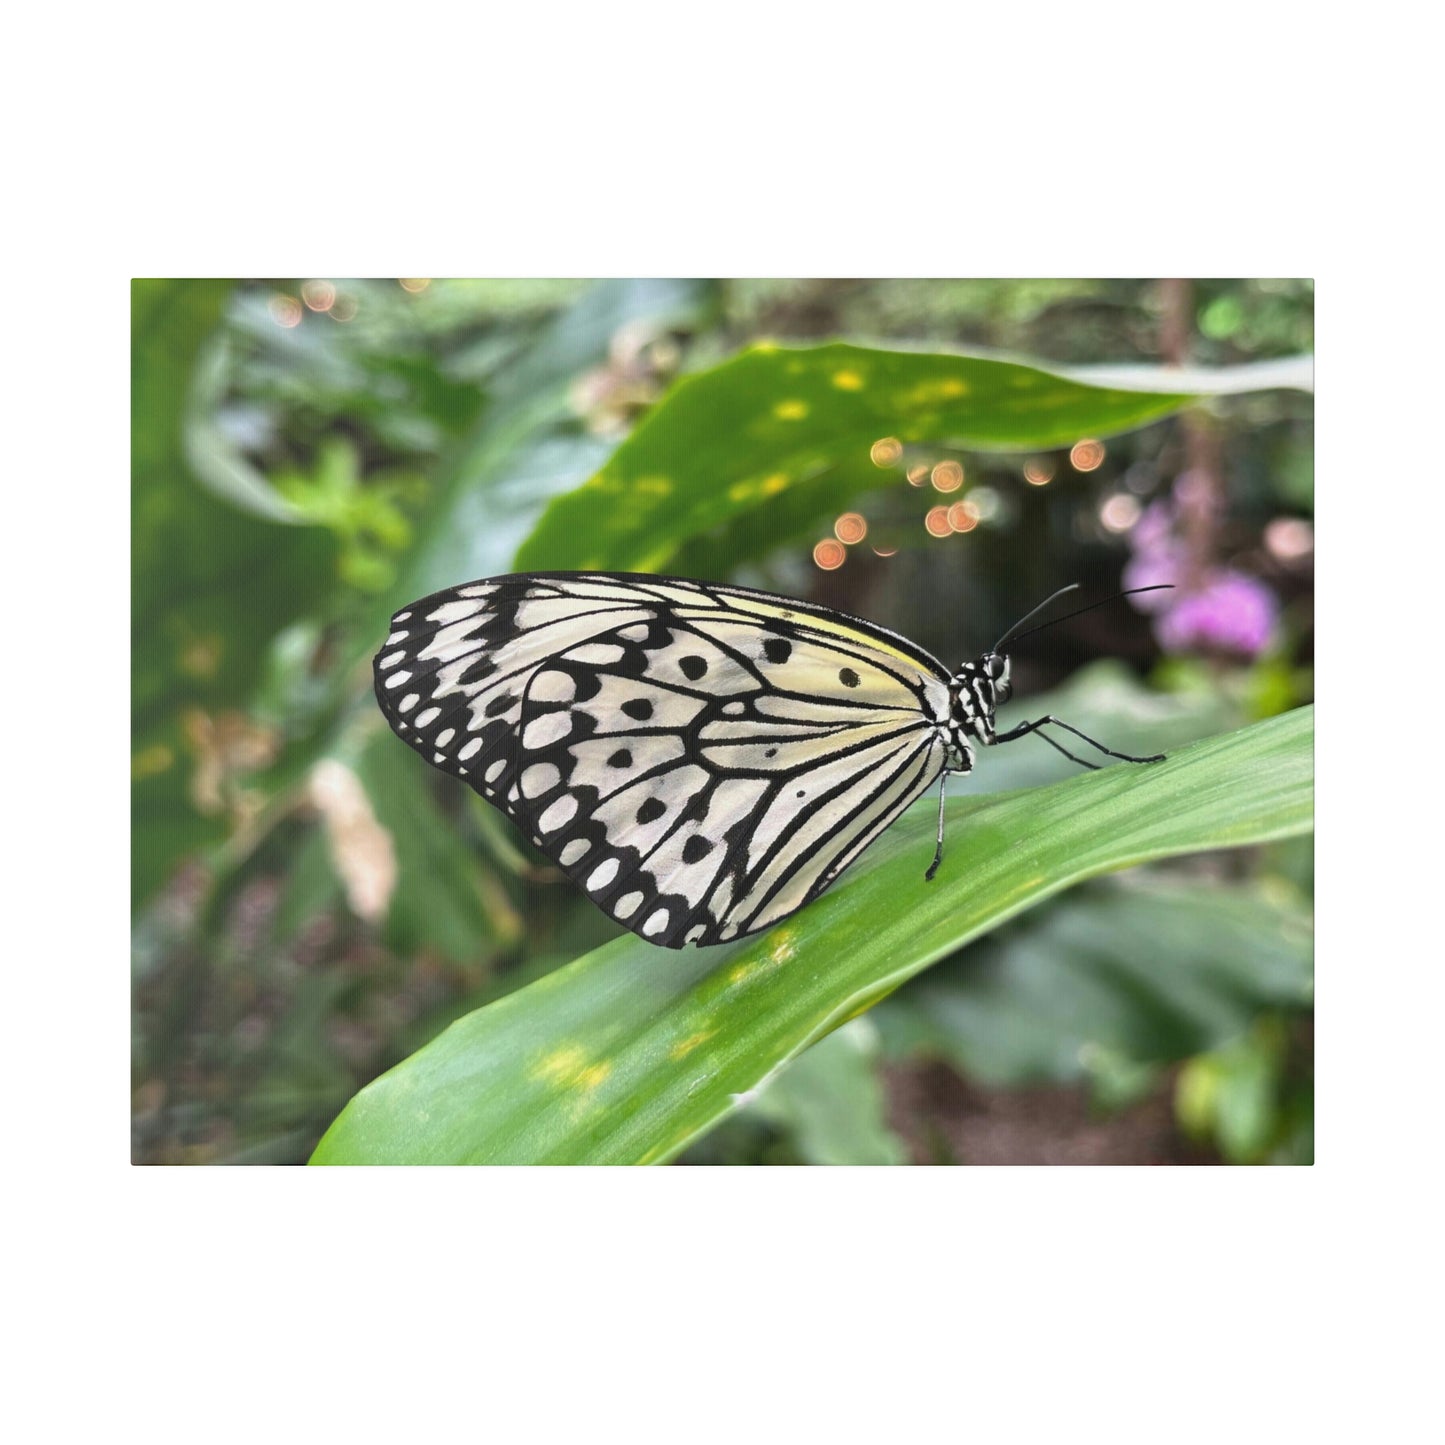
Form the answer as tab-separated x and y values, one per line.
930	394
569	1068
774	484
784	946
684	1047
561	1066
653	486
653	561
793	410
765	348
847	381
741	491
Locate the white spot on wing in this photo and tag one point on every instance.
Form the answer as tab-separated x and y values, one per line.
538	779
454	611
541	732
553	686
602	875
559	814
596	654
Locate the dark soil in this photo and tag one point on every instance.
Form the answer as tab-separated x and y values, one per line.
946	1120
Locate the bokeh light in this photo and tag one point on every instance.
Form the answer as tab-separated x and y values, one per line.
937	522
1289	538
829	554
963	516
850	527
1086	455
344	309
415	284
1120	512
986	503
285	310
948	476
318	295
1038	471
885	551
885	451
918	474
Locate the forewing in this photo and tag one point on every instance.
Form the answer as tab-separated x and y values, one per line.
703	761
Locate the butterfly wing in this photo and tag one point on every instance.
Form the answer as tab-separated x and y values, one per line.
703	760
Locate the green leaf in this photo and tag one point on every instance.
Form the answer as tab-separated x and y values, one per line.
631	1052
734	441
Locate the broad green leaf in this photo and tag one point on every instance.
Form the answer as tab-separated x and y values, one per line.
629	1053
734	441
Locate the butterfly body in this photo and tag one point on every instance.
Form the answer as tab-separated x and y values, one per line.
702	759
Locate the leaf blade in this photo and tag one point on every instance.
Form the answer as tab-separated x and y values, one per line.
726	441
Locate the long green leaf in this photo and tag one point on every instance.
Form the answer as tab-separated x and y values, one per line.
630	1052
740	438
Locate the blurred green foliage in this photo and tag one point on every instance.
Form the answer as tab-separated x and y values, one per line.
313	904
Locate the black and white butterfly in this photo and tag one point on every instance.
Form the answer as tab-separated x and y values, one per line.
703	760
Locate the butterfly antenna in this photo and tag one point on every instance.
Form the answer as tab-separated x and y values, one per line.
1128	592
1072	587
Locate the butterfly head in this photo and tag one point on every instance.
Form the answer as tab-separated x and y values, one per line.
995	666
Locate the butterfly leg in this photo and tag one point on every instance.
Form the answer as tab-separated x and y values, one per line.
938	851
1025	728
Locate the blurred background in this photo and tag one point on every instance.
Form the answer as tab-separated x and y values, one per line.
312	903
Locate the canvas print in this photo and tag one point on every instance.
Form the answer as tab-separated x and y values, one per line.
722	722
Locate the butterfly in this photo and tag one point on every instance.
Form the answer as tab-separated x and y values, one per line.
703	760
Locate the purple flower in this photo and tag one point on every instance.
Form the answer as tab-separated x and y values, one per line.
1158	567
1232	612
